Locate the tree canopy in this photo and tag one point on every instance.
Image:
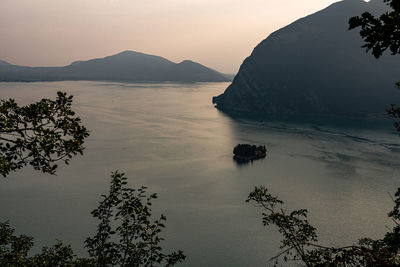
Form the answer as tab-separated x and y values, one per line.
39	134
46	132
300	240
126	235
380	34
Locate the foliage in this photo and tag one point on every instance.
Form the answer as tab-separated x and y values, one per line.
247	150
299	238
379	34
125	236
14	251
39	134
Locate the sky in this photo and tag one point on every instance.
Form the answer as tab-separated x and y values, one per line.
217	33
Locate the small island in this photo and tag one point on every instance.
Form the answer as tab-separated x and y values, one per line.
246	152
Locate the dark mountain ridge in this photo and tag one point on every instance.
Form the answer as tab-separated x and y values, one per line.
4	63
127	66
314	67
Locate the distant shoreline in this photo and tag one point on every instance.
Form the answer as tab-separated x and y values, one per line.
113	81
127	66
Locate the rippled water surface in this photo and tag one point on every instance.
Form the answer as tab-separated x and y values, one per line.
170	138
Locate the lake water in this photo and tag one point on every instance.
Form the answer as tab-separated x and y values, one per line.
170	138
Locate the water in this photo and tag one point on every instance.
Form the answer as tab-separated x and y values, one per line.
170	138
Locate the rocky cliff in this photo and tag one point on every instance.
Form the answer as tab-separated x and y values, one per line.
315	66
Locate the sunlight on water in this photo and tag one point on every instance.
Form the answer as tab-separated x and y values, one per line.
170	138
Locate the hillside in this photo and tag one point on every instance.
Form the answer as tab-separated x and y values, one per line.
314	66
127	66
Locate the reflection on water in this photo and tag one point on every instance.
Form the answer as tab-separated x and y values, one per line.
171	139
243	163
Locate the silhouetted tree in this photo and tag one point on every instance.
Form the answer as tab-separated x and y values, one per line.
39	134
299	238
126	235
43	133
300	241
379	34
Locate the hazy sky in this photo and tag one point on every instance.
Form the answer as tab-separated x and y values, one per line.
216	33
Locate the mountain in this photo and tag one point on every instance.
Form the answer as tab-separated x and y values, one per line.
314	66
126	66
4	63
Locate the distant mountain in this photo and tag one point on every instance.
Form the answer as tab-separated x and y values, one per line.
4	63
314	66
126	66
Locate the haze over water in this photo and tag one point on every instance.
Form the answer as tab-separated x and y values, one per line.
170	138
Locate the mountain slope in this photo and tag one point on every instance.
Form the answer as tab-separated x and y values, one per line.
125	66
4	63
314	66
